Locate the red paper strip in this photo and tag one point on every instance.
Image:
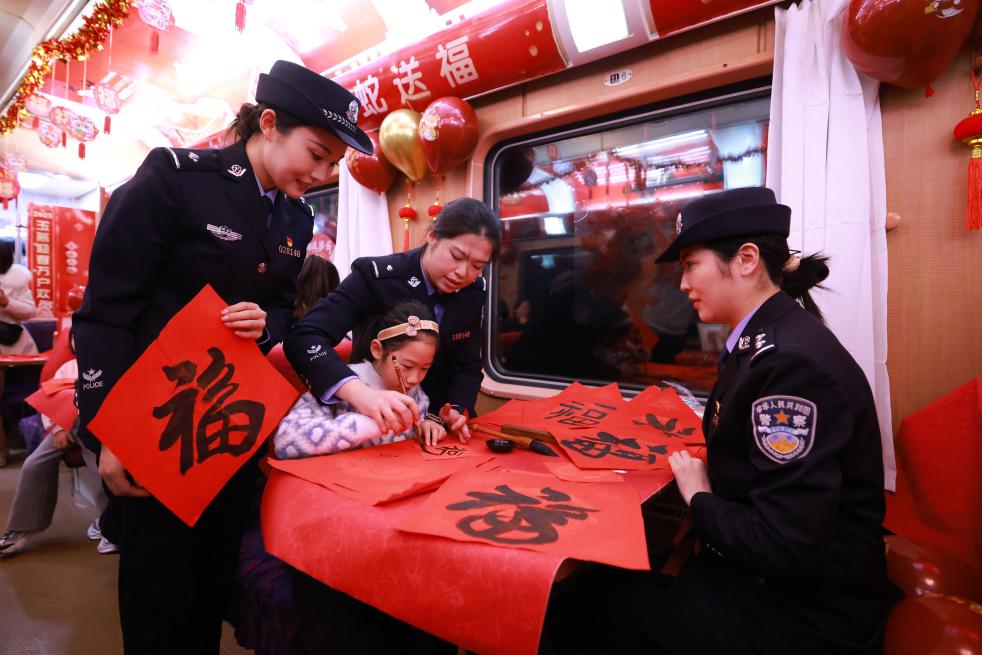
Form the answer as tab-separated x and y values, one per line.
192	409
59	405
376	475
571	473
597	523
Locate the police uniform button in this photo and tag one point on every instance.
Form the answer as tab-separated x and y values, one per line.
262	267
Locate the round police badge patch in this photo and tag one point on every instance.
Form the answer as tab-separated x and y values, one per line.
784	427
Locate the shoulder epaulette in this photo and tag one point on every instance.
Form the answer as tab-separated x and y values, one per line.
187	159
387	266
308	208
763	342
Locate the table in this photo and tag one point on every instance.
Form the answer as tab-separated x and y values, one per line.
337	540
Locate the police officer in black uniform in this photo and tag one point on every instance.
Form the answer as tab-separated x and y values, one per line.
232	218
446	275
790	506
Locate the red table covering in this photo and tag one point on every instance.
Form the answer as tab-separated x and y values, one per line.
485	598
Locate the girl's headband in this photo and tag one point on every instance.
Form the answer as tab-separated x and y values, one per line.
410	328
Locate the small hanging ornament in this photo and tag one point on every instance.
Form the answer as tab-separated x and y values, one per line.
107	99
435	209
969	132
240	14
159	16
9	186
81	150
407	214
50	135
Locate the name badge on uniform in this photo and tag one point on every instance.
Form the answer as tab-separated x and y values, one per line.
784	427
288	249
460	336
224	232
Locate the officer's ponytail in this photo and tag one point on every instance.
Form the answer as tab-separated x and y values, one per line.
246	122
794	275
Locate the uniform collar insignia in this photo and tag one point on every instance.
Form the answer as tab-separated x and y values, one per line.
237	170
414	281
744	344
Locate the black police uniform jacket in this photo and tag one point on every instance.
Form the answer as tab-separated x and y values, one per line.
187	218
794	460
374	286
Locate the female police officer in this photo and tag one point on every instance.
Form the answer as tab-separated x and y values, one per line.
789	511
234	219
445	274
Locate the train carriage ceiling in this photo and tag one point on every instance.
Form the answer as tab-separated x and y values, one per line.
392	53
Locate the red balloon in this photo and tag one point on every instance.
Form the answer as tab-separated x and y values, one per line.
447	133
934	625
920	569
372	171
909	43
74	297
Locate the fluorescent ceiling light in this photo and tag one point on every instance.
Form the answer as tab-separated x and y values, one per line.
594	24
31	181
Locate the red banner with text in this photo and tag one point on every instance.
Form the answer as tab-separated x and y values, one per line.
59	243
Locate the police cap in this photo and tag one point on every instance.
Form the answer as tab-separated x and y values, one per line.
746	212
314	100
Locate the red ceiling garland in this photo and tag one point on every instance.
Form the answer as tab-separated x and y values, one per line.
94	31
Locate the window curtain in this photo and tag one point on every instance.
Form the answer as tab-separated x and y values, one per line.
825	161
363	222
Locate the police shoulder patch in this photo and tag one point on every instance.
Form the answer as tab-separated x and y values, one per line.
784	427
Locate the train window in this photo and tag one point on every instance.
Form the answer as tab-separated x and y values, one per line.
584	212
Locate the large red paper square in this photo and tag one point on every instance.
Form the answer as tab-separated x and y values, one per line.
594	522
193	408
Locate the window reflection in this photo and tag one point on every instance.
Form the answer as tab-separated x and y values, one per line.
583	217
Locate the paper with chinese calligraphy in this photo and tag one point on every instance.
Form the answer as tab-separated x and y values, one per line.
594	522
193	408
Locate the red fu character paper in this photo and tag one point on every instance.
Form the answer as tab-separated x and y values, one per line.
193	408
593	522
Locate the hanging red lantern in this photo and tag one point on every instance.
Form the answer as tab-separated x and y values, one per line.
969	132
9	186
407	214
108	100
159	16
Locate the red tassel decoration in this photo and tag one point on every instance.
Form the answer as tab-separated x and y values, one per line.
154	42
81	151
6	205
407	214
35	123
64	139
107	124
969	131
240	16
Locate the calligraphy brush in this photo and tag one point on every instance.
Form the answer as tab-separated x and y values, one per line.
534	445
402	383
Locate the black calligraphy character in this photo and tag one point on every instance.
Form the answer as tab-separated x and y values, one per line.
448	451
605	444
181	406
530	521
576	415
667	428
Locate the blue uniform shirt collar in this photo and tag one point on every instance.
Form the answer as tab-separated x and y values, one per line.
731	341
271	194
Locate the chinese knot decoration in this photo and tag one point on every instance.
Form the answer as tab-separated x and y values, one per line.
90	36
969	132
9	187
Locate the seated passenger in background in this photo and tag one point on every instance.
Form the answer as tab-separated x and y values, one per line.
408	334
37	487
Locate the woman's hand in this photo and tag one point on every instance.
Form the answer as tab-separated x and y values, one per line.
246	319
63	439
432	432
690	473
114	475
392	411
456	423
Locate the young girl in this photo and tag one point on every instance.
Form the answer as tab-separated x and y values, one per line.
407	335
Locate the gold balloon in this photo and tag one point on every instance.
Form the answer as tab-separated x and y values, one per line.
401	146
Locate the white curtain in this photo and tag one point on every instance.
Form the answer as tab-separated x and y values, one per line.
363	222
825	160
